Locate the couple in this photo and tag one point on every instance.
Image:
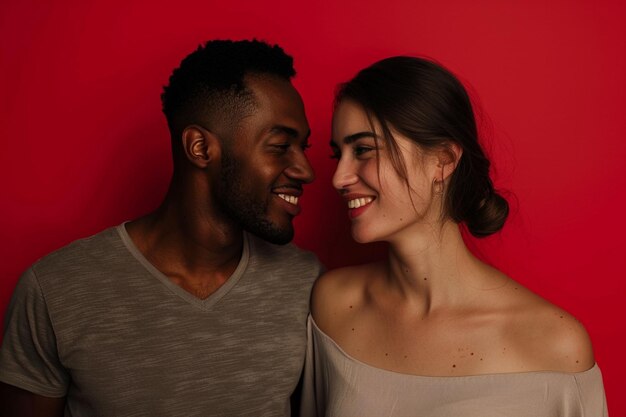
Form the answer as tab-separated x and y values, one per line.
200	308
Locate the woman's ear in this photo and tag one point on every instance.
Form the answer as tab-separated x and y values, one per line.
449	158
201	146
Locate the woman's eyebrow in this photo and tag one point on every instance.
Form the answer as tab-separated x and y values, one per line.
355	136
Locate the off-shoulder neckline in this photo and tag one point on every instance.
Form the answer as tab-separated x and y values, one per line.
434	377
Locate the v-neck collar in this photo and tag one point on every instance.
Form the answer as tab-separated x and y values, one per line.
208	302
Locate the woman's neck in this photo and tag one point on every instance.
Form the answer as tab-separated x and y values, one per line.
432	268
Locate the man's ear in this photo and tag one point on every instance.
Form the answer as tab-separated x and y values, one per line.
201	146
449	158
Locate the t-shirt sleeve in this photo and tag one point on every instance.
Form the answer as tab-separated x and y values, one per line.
28	356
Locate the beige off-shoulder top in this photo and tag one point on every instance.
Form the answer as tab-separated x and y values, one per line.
337	385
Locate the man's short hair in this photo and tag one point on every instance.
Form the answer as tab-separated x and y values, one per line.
208	88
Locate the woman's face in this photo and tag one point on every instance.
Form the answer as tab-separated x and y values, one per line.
381	205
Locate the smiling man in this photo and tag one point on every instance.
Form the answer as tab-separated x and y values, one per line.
199	308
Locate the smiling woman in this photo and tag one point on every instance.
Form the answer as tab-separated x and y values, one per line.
432	326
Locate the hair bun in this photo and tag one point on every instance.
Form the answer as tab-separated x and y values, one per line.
489	217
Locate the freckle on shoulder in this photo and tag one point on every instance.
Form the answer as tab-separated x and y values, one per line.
335	290
573	344
548	337
567	344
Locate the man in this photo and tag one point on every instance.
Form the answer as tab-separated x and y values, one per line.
193	310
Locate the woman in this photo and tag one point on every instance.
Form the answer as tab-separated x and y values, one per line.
431	331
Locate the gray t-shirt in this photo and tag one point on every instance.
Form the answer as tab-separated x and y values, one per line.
96	322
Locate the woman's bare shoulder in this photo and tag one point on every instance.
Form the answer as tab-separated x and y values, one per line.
338	291
550	337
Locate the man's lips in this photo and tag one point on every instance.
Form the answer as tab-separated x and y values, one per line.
291	195
291	199
295	190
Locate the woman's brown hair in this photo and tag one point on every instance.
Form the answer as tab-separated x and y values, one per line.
424	102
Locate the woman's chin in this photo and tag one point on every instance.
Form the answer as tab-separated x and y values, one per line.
361	236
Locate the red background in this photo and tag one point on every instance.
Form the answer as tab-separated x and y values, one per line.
83	144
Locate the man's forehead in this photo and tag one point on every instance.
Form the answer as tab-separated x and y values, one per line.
263	85
277	98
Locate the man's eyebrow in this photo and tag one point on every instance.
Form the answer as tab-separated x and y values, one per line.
289	131
354	137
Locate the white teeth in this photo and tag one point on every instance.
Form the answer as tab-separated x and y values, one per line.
292	199
359	202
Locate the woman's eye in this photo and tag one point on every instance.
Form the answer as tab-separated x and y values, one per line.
357	151
360	150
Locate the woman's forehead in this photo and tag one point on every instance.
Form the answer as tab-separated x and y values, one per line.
350	118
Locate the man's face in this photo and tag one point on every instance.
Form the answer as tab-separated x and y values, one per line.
263	165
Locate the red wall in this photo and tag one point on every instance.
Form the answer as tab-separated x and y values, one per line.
83	144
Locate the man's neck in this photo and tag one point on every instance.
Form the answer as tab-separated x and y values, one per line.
193	248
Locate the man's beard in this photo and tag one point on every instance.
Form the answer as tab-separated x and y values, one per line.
238	202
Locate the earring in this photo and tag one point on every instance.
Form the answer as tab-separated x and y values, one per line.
437	187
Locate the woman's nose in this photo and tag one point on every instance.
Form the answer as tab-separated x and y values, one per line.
344	175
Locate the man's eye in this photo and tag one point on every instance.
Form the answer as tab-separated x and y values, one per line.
305	146
282	147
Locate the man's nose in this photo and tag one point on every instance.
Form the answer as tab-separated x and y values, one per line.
301	169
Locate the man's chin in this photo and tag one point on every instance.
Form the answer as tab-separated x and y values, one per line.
273	234
281	239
